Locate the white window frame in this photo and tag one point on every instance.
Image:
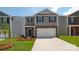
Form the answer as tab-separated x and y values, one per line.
39	19
52	18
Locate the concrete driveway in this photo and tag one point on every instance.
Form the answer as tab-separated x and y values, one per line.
53	44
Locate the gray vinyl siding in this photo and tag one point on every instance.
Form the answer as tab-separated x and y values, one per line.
62	25
18	26
45	21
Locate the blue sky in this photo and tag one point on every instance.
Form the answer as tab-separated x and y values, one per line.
63	10
26	11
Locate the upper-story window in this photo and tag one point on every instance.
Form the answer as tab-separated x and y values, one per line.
12	18
29	19
8	20
71	20
1	20
40	19
52	18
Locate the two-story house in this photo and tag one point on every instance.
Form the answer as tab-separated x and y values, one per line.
73	23
41	24
69	24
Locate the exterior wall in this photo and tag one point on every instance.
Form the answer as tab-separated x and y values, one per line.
78	20
62	21
18	24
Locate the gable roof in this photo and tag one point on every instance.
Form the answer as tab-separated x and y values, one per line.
71	11
46	12
3	14
76	13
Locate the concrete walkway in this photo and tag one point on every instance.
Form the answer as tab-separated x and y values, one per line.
53	44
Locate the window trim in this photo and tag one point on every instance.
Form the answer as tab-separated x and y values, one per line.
52	19
40	20
29	19
71	20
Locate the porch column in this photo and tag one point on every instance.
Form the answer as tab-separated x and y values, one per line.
57	26
10	27
74	31
69	30
35	20
34	31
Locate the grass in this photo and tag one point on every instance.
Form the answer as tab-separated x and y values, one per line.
19	45
71	39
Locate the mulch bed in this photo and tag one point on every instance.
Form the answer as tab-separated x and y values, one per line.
24	39
6	46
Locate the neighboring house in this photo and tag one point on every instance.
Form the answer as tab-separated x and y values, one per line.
45	23
4	18
73	23
69	25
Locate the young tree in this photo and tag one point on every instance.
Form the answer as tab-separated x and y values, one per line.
5	28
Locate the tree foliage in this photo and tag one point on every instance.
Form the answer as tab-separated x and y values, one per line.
5	28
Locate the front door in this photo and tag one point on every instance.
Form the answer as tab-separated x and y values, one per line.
72	31
75	31
29	32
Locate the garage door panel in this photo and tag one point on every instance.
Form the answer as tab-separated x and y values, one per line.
46	32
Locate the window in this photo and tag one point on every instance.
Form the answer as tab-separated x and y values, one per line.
40	19
12	18
70	20
52	18
29	19
8	19
1	20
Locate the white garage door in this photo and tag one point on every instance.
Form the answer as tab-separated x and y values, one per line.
46	32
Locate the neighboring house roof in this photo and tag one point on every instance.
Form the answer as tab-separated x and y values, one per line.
76	13
72	11
3	14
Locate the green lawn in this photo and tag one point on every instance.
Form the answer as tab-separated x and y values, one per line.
71	39
19	45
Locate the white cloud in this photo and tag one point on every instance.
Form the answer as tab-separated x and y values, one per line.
73	9
54	9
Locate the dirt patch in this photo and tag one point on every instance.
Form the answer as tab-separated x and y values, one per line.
6	46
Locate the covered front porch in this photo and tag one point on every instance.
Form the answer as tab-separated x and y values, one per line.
30	31
73	30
